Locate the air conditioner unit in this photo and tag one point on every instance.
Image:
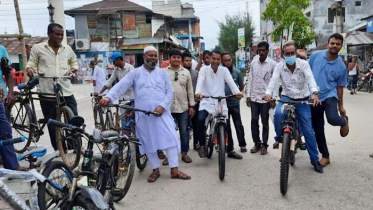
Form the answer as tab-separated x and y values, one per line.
82	44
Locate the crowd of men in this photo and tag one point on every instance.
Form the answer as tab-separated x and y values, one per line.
175	93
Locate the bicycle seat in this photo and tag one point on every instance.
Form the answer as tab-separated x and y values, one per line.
108	134
35	152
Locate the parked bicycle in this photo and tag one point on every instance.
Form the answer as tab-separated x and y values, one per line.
25	123
103	117
216	134
114	173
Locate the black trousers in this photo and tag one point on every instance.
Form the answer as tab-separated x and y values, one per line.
262	110
234	113
330	108
48	106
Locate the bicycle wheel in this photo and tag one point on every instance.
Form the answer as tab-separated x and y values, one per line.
141	160
98	117
125	171
48	196
82	202
109	123
221	151
209	142
21	120
69	147
285	159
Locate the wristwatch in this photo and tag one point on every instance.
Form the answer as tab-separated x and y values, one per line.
315	93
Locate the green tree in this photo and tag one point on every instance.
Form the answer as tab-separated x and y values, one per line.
228	34
284	14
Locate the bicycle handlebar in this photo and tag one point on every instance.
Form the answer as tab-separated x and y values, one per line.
95	94
219	97
309	102
12	141
132	109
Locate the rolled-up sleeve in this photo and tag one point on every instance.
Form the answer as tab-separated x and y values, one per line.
112	78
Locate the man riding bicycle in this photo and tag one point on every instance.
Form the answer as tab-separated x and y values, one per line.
297	81
211	82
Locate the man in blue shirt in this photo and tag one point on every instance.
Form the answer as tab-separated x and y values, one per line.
234	109
330	74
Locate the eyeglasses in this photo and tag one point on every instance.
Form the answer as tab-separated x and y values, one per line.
289	54
176	74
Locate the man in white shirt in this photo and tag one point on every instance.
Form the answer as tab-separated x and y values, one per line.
211	82
98	77
297	81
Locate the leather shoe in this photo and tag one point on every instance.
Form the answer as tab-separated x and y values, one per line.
234	155
317	166
243	149
186	158
201	152
255	149
324	161
345	129
263	150
276	145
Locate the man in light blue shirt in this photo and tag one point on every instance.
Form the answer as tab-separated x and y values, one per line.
331	76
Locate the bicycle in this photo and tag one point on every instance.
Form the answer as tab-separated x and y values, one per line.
290	134
39	188
112	169
25	123
130	127
98	112
216	134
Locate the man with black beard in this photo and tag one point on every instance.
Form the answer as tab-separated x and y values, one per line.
234	109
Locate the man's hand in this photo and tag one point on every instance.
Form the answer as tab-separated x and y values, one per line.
342	111
198	96
315	99
70	72
267	98
30	72
201	57
248	101
159	111
239	96
104	101
10	100
272	104
192	112
2	95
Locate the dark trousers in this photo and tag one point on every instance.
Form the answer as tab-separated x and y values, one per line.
182	120
201	138
234	112
48	106
8	155
262	110
194	124
330	107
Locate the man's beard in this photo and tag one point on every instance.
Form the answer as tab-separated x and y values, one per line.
189	68
151	64
230	68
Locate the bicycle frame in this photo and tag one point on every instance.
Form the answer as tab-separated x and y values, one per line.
216	119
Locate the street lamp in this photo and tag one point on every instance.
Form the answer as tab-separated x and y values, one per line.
51	12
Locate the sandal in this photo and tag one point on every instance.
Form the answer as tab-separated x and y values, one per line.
180	175
161	155
153	177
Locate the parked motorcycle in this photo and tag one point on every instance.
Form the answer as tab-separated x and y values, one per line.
366	80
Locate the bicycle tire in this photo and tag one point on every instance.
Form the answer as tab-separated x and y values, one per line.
127	163
24	115
71	159
284	169
84	203
141	160
98	118
44	188
221	151
209	142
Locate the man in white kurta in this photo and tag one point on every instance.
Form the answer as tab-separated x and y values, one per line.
211	82
153	91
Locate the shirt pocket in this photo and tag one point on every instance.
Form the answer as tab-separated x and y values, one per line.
183	79
63	62
331	75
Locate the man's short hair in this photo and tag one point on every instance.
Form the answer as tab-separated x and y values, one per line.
95	55
216	52
186	54
222	55
206	52
173	52
52	26
336	36
264	44
289	43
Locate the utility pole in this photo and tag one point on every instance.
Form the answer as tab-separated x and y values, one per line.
59	15
21	38
338	18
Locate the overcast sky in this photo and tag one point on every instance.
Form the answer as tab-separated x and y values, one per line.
35	16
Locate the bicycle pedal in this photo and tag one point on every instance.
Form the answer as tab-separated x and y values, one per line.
116	192
122	168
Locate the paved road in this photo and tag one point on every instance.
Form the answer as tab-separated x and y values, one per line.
253	183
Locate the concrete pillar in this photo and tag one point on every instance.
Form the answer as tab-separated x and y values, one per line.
59	15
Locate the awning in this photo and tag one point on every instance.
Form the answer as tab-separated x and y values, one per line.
183	36
359	38
142	41
359	26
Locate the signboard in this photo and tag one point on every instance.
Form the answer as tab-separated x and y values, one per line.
241	37
129	21
370	25
135	46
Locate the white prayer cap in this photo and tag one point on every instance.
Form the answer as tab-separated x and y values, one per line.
149	48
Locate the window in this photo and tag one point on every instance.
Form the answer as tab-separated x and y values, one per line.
308	14
358	3
148	19
331	14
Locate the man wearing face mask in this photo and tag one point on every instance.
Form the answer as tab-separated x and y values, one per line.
153	89
297	81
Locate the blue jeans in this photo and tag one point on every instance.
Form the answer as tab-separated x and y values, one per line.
183	121
201	118
303	112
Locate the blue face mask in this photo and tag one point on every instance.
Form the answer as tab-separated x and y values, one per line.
290	60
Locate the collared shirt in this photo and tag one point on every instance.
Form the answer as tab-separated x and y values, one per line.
4	53
119	73
100	78
44	59
183	89
213	84
237	78
259	77
328	74
296	85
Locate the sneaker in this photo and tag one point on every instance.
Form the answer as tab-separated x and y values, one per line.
243	149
